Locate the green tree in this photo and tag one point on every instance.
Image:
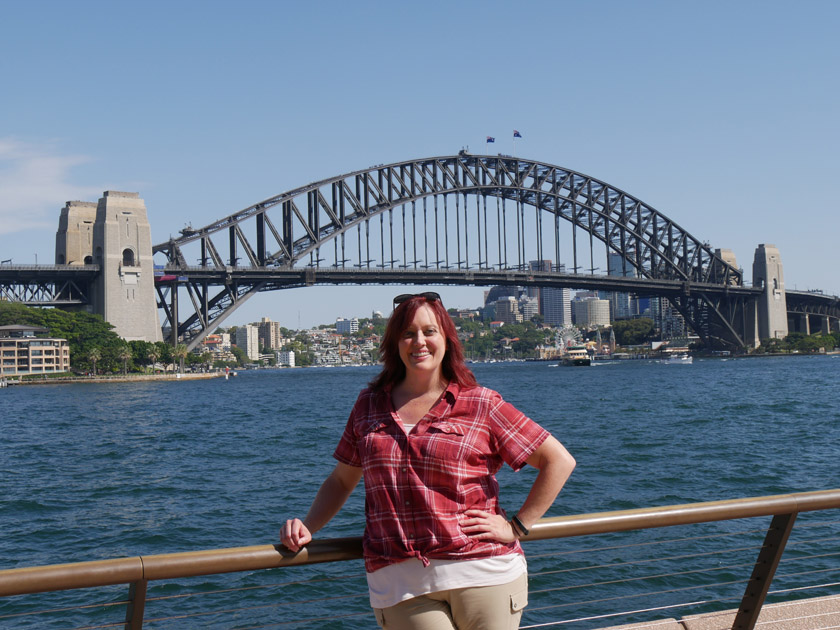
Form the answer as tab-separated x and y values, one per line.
164	353
125	355
239	353
153	354
770	346
528	341
180	353
139	351
206	358
82	331
632	332
810	343
93	356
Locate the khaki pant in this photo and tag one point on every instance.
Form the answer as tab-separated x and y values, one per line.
476	608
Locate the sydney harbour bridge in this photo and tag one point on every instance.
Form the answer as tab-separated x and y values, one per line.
453	220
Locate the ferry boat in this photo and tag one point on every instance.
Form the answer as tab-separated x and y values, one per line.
576	356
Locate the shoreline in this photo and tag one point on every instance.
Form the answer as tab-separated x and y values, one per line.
190	376
136	378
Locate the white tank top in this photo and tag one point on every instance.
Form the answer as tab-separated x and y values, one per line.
397	582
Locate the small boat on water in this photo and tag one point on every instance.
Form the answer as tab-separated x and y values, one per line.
677	357
576	356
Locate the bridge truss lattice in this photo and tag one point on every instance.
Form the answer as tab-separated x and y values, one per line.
462	219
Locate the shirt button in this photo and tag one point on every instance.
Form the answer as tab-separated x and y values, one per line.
408	502
404	469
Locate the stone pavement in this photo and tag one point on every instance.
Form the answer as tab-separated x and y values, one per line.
821	613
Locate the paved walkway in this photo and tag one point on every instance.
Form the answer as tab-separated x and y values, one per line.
821	613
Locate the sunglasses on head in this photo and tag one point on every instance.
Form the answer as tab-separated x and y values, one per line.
431	296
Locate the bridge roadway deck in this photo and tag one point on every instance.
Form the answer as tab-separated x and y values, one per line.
821	613
277	277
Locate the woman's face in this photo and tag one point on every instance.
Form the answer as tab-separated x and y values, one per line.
422	344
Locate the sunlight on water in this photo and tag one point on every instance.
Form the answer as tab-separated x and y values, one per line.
100	471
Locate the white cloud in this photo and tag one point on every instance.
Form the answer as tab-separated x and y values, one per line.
35	181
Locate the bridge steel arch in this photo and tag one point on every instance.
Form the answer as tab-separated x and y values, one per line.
429	221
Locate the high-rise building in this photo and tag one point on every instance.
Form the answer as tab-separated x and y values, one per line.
555	304
507	310
346	326
672	323
537	265
529	307
270	335
248	340
620	303
590	311
642	306
498	292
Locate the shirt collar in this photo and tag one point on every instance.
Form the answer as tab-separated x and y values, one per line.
450	394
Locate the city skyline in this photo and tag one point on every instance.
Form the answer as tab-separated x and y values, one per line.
727	127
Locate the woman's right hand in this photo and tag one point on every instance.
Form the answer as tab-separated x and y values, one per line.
295	534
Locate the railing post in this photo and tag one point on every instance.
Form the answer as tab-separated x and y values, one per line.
136	605
765	569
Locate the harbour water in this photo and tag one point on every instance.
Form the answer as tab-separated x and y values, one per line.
95	471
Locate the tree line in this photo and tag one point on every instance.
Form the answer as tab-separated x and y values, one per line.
97	349
94	346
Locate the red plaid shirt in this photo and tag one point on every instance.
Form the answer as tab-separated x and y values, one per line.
418	486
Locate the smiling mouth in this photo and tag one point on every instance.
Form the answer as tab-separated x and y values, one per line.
420	355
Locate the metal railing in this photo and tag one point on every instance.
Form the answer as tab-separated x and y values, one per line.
137	572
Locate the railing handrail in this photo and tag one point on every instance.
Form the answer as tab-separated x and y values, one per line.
685	514
29	580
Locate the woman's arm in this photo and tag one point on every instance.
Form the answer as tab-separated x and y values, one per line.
555	464
332	495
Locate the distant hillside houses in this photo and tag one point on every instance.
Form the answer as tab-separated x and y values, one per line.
331	348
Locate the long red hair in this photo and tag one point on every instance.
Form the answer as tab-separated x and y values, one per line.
453	367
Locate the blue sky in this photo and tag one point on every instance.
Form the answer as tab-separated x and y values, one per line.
721	115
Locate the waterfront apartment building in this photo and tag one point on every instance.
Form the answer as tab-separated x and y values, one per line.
21	352
248	340
270	335
286	358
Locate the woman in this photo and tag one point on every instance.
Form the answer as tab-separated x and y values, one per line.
439	551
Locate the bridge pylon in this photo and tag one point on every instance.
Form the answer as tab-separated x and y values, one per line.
771	306
114	233
74	238
124	291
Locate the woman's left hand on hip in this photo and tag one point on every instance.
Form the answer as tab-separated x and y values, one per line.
486	526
